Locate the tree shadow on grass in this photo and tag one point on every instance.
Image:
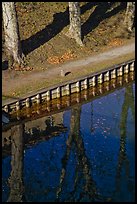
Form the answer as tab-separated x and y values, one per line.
5	65
87	7
99	14
59	22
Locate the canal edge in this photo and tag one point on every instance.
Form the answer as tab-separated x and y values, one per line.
69	87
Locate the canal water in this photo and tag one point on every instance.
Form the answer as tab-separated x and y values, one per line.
84	154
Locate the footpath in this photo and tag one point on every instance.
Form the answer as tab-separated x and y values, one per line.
14	82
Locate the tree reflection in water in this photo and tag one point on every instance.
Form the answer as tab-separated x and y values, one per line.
122	157
16	176
83	171
84	187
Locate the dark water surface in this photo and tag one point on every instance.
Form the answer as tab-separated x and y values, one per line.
84	154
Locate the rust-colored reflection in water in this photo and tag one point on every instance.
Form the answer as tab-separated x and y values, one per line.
64	103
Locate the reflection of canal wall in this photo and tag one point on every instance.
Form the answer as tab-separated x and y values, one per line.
41	124
73	86
58	105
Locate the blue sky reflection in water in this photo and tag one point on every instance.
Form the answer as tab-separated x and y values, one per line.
94	160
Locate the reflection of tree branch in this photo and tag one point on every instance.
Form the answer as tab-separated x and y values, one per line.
130	98
128	103
74	137
16	177
89	188
64	164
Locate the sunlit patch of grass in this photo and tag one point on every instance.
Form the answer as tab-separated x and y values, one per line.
4	97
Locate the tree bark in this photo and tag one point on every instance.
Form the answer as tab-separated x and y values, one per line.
75	22
129	16
11	33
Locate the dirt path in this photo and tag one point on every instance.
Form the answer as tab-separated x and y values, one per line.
111	54
13	80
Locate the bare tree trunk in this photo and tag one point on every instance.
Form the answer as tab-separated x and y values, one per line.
11	32
75	22
129	16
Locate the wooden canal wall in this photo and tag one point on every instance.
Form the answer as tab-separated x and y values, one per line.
56	106
69	87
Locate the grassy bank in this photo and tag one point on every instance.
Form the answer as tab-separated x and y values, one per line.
87	70
43	27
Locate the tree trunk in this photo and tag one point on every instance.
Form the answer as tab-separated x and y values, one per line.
11	32
129	16
75	22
